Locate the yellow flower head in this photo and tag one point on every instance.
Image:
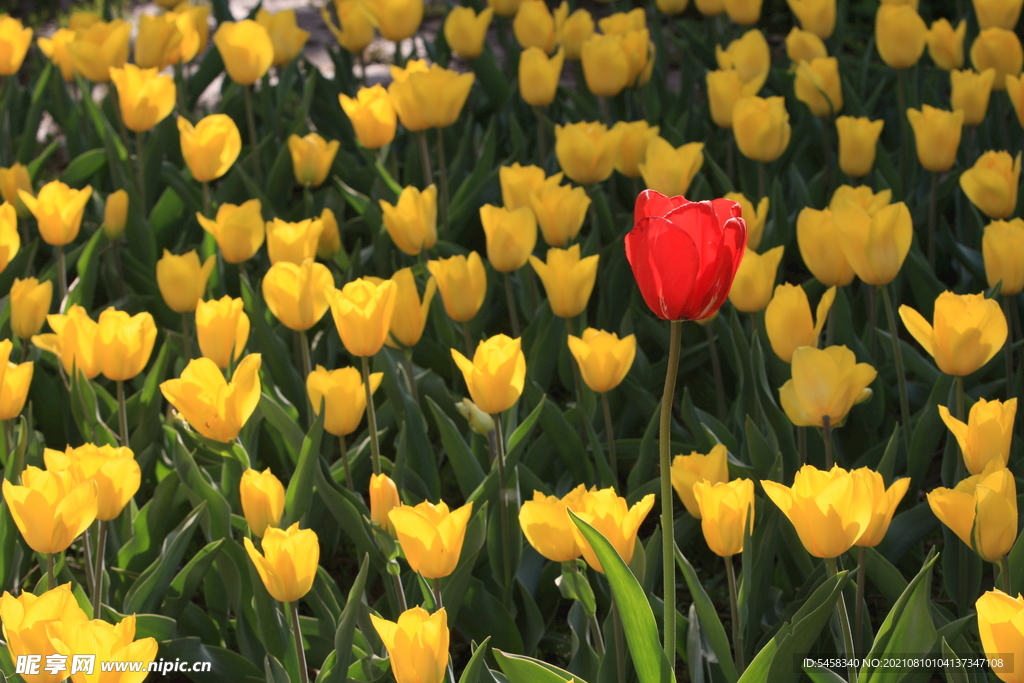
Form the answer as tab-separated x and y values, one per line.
755	280
986	436
726	512
289	561
431	536
98	47
465	30
362	312
568	279
761	126
1002	246
754	217
58	210
463	284
238	229
124	343
222	328
372	115
293	242
114	471
826	383
496	375
858	141
968	331
298	296
343	395
417	645
788	319
981	510
586	151
604	359
884	504
214	407
511	236
312	157
73	341
946	44
547	526
246	48
560	210
670	170
608	512
429	98
412	221
687	470
211	147
146	97
30	302
285	35
875	245
991	184
51	509
182	279
262	496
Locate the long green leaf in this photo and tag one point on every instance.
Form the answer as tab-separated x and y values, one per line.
300	488
145	593
709	621
522	669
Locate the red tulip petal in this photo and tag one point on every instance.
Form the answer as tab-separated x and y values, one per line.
727	261
650	203
665	261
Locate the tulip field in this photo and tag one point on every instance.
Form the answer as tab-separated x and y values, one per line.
512	342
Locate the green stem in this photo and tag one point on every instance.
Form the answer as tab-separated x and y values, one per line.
409	374
901	114
494	441
343	449
716	370
609	434
1008	347
932	219
140	168
959	382
122	414
858	609
428	174
254	140
89	569
595	626
826	435
667	522
844	621
439	604
62	277
97	572
1004	573
206	200
371	417
396	583
513	314
442	172
760	179
300	651
542	141
734	609
620	643
801	445
186	332
307	366
901	376
51	583
872	324
468	339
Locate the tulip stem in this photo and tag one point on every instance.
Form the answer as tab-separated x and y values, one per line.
901	114
844	621
497	445
734	609
371	416
300	651
595	626
343	449
542	141
50	582
760	179
410	374
858	609
901	376
577	381
428	175
438	605
442	173
206	200
62	276
716	370
467	338
959	383
801	445
620	644
931	219
826	435
396	583
89	563
1004	574
186	332
257	167
513	315
962	602
1008	349
97	573
667	522
609	433
140	168
122	413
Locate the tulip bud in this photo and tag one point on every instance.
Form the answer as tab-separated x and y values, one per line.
293	242
755	218
200	16
297	295
115	214
99	47
511	236
900	35
981	511
238	229
726	514
861	196
613	519
114	471
568	279
12	180
815	16
397	20
969	330
1001	13
750	56
288	566
672	7
635	136
640	53
222	328
999	49
999	619
945	45
819	247
356	31
539	76
761	127
986	436
605	65
14	388
383	499
124	343
547	526
817	85
342	394
504	8
586	151
603	358
14	43
937	134
262	496
312	157
10	238
211	147
410	315
428	98
991	184
710	8
877	245
285	35
858	142
463	284
755	279
412	222
30	302
670	170
1002	246
479	421
788	319
73	341
431	536
687	470
826	383
329	242
518	183
372	115
246	49
534	26
572	30
417	645
465	30
743	12
496	374
51	509
146	97
803	46
971	94
58	210
158	41
560	210
27	616
623	22
55	48
362	313
725	88
212	406
182	280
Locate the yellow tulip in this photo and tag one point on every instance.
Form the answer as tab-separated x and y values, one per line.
969	331
874	245
238	229
586	151
158	40
30	302
12	180
511	236
518	183
428	98
623	22
14	42
635	136
55	48
640	52
145	96
900	35
761	127
412	221
182	279
604	359
710	8
431	536
803	46
465	30
755	279
755	218
262	496
312	157
568	279
50	508
417	645
862	196
1002	246
547	526
533	26
539	76
397	20
572	30
213	407
58	210
462	282
750	57
293	242
725	88
372	115
329	243
111	643
670	170
986	436
726	512
830	510
10	238
981	511
289	561
1014	90
356	25
614	519
35	625
971	93
246	49
687	470
815	16
285	35
999	49
946	45
344	395
383	499
73	341
885	502
14	389
858	142
124	343
362	312
1001	630
991	184
211	147
410	315
605	65
200	16
826	383
504	8
496	375
298	295
99	47
222	328
672	7
1001	13
115	214
743	12
113	470
788	319
817	85
560	210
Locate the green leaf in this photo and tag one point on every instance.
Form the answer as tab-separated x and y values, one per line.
225	666
83	167
184	585
300	488
286	425
928	430
709	621
475	667
196	480
954	673
468	472
522	669
145	593
635	611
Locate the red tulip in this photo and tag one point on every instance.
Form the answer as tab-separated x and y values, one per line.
685	254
